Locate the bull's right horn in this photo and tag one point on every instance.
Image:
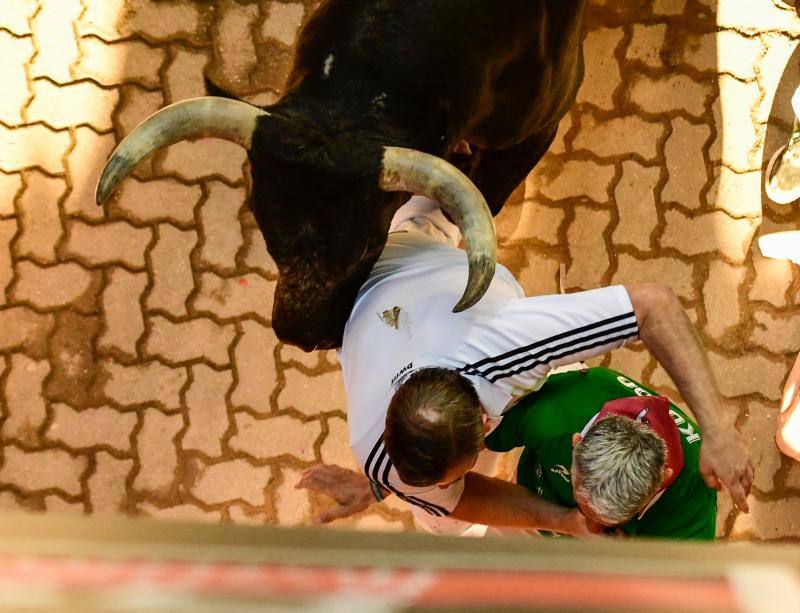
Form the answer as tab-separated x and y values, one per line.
231	120
413	171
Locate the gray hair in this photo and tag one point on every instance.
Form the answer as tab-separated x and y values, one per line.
621	465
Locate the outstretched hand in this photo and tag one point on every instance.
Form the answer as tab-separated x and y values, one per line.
725	461
349	489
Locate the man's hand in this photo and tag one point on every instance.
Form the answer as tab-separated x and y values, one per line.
578	525
725	460
349	489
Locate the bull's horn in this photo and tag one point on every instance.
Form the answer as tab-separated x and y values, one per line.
412	171
207	116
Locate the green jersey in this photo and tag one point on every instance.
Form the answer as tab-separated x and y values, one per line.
544	422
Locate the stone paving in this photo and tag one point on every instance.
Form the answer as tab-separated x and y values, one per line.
138	370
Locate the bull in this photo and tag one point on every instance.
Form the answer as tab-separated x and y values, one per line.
383	98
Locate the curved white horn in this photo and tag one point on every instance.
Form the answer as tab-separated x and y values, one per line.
413	171
207	116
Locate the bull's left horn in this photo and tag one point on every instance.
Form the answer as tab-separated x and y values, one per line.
413	171
207	116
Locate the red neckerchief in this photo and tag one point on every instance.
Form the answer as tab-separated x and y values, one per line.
652	411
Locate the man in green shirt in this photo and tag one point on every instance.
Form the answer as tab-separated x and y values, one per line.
621	486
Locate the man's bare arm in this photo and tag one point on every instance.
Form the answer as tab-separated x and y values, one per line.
495	502
669	335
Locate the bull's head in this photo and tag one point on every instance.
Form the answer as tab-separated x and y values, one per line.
323	253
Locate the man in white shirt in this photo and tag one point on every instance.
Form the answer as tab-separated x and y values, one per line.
503	348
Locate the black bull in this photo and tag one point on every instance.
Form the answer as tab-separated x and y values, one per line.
381	93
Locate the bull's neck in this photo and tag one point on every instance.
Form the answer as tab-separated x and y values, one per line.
358	114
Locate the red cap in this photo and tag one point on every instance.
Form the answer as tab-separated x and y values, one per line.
652	411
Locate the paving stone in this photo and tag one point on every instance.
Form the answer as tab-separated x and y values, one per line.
619	137
735	375
50	287
165	22
335	449
636	203
773	68
721	297
206	157
685	163
240	517
676	273
54	38
647	44
234	480
759	434
10	186
10	502
42	470
707	233
17	14
559	144
184	75
283	21
160	200
235	51
64	106
630	360
72	356
56	504
255	365
111	243
540	274
741	142
275	436
207	408
677	92
22	328
699	51
8	230
742	17
669	7
322	394
16	53
219	216
120	62
148	382
136	106
25	408
779	335
588	248
124	324
104	19
257	256
182	512
93	427
108	483
85	163
39	217
737	194
773	279
738	55
538	221
602	69
768	520
292	506
199	338
29	146
290	353
372	522
155	448
576	179
235	297
173	280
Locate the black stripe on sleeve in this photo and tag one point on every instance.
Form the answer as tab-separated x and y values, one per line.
488	365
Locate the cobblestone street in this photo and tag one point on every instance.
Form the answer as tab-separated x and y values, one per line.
138	370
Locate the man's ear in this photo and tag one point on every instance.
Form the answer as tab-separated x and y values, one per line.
576	438
667	474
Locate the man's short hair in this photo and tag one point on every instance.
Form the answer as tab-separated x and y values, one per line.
433	422
621	466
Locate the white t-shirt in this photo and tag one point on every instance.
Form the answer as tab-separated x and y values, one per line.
505	345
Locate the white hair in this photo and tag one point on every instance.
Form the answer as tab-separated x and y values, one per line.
620	463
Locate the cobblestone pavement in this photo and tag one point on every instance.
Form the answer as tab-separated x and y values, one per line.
138	370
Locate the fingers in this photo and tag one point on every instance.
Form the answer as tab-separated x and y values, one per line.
739	495
711	480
